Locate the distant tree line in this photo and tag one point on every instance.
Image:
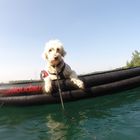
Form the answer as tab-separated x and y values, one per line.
135	60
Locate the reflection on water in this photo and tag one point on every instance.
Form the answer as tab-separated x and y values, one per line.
56	129
109	117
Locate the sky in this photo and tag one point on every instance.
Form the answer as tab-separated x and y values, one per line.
97	35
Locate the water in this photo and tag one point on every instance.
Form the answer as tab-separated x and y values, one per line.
115	117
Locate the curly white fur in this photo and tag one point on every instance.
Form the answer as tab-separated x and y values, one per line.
53	54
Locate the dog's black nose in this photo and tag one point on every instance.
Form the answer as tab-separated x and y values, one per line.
56	58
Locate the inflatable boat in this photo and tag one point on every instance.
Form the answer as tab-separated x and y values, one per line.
31	92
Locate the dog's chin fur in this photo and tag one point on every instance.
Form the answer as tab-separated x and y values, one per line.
54	49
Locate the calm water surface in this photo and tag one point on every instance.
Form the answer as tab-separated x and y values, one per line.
115	117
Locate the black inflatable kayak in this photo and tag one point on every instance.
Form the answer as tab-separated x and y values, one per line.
25	93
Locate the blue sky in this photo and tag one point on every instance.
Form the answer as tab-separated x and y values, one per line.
97	34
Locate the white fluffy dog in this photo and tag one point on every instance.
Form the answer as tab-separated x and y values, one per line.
53	54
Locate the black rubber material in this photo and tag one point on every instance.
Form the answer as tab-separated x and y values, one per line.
96	84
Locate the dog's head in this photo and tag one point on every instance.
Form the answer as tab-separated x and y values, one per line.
54	52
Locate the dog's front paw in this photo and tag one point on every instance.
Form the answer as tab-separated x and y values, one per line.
48	88
48	85
78	83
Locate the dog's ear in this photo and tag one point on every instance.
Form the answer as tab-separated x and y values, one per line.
44	55
63	53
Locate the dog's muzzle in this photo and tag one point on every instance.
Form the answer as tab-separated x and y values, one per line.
56	58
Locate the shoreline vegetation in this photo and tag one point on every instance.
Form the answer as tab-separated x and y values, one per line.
135	60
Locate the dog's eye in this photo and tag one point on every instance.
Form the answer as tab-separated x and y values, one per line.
50	50
58	50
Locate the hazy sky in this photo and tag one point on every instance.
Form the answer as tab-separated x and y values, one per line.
97	34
